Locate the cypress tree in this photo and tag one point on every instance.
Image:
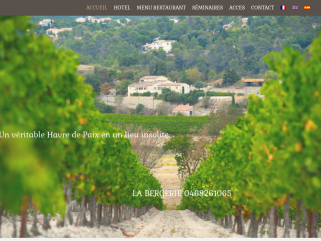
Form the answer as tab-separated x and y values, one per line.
233	101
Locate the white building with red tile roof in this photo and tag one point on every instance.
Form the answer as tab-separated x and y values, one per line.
250	82
184	109
152	78
155	84
218	82
166	45
80	20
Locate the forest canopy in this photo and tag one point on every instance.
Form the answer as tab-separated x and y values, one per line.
202	43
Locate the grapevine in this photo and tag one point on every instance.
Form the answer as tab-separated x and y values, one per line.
40	91
271	156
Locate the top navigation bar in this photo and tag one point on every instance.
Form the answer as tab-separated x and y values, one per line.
164	7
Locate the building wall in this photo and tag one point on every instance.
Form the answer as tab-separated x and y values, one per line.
80	20
46	22
153	80
220	98
133	101
166	46
155	88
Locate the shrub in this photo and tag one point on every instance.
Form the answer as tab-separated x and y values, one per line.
146	93
139	108
155	95
213	93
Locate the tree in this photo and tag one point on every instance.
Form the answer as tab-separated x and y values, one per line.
176	45
192	75
199	84
127	61
249	49
212	25
141	40
186	42
105	89
174	75
154	34
200	23
270	75
230	77
157	67
164	108
211	75
181	145
193	43
139	108
201	64
122	87
189	153
147	145
123	20
161	68
181	18
233	101
219	120
155	95
102	107
206	102
93	80
202	41
119	109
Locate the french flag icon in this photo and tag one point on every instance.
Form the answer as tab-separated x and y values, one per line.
283	7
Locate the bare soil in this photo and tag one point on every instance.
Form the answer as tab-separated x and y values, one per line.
166	173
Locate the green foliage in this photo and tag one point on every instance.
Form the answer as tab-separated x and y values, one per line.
155	95
233	101
102	75
93	80
165	91
128	61
230	77
174	97
199	84
192	76
262	159
270	75
180	145
206	102
213	93
239	48
102	107
139	108
48	96
167	124
122	87
157	67
147	93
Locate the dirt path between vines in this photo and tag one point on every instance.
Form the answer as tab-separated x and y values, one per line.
182	224
153	224
166	174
